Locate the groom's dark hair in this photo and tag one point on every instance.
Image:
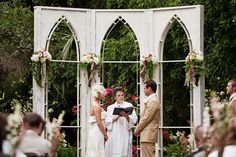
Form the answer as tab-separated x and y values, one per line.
152	84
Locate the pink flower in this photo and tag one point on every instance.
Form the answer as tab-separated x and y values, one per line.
109	91
133	98
108	103
165	135
135	151
74	109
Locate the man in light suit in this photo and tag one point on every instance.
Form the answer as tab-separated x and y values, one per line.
231	91
147	128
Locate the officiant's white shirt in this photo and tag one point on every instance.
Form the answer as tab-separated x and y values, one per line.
120	134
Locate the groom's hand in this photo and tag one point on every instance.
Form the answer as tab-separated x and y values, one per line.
137	134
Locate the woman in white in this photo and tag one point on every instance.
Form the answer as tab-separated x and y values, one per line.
97	132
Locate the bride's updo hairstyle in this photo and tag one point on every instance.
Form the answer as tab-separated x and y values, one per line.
96	89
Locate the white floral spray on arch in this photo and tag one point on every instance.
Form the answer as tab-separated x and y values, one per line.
39	58
146	66
90	63
194	68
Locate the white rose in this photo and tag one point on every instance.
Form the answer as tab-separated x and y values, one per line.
89	55
89	60
154	60
199	57
96	60
50	110
142	59
48	56
35	58
222	93
83	59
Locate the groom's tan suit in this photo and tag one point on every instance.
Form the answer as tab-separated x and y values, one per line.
148	126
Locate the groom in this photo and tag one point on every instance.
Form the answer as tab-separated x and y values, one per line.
147	128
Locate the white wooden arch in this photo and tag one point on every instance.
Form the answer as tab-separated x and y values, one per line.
89	28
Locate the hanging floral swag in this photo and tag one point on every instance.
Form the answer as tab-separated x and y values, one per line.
90	62
194	68
39	58
146	66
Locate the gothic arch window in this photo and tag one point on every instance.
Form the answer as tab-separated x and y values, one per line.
63	84
172	72
120	55
66	22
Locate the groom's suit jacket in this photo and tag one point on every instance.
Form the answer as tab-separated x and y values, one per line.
149	121
231	108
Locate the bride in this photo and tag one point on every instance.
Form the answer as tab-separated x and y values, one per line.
97	132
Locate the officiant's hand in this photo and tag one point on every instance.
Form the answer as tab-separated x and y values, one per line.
115	118
126	115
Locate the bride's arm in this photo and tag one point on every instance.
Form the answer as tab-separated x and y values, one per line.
97	113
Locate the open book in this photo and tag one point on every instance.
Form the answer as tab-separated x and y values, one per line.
117	110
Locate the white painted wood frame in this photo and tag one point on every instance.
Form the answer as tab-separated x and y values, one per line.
89	27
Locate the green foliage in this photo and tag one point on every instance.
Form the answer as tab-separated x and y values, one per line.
120	46
62	78
69	151
36	72
175	95
16	47
174	147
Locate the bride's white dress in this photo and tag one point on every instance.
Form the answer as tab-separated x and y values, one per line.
95	146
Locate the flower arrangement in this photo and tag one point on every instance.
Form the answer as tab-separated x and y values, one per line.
174	147
146	66
214	116
108	100
39	58
89	62
14	121
194	68
53	127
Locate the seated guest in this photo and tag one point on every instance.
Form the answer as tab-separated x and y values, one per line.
6	147
199	140
32	142
229	150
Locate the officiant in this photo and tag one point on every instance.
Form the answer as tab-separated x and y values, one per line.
121	117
